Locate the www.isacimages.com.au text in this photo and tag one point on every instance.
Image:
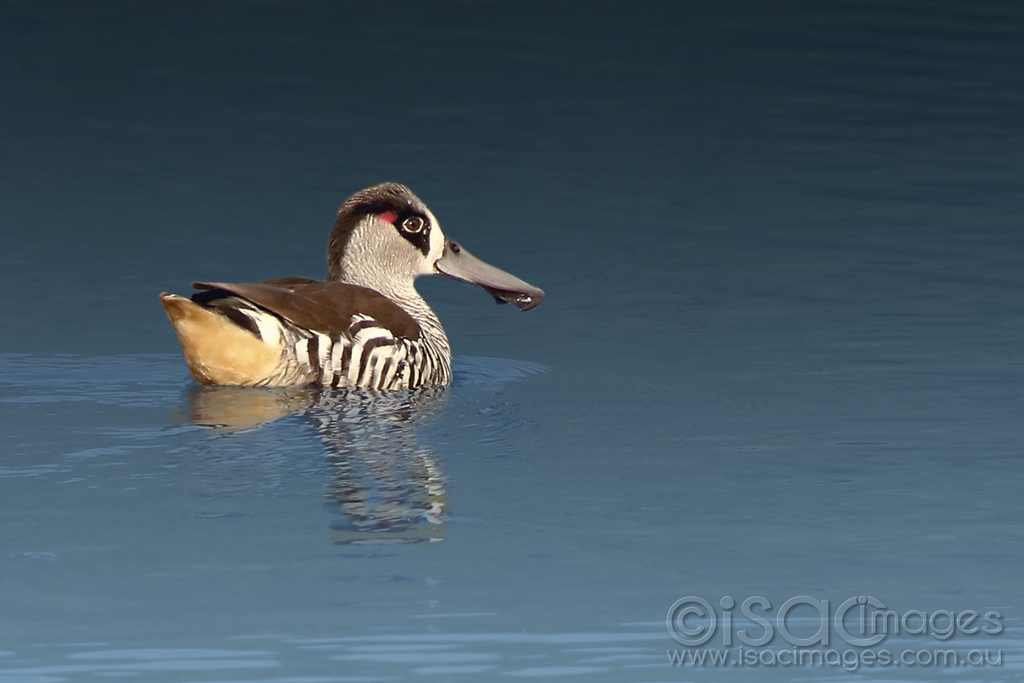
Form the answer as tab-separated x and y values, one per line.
851	660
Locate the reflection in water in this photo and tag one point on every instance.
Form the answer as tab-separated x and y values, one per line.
384	486
231	409
387	487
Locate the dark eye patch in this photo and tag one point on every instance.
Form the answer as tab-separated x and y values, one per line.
412	224
415	227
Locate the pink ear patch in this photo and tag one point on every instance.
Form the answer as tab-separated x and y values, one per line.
388	216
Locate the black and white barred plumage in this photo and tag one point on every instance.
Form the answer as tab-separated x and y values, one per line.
367	355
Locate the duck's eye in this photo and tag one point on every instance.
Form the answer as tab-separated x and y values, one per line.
412	224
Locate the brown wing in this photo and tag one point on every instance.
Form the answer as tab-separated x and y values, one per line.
320	306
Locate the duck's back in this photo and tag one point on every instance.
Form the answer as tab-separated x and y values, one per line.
291	331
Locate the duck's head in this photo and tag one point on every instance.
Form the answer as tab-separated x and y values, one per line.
385	237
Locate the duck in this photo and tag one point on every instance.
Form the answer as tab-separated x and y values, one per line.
365	326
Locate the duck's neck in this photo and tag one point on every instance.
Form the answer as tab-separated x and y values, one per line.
422	313
435	341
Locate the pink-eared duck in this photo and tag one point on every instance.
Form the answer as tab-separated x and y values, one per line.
365	326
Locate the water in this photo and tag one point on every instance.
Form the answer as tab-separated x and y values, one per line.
781	352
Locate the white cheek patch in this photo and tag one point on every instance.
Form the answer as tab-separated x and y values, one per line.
436	245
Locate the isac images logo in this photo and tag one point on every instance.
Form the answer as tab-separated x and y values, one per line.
814	635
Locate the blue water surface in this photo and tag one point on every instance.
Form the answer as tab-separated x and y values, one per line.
782	352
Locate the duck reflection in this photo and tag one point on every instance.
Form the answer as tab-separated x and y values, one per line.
384	486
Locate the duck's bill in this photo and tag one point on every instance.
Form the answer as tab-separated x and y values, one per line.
459	264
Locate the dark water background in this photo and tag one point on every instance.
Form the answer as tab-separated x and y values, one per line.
782	352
